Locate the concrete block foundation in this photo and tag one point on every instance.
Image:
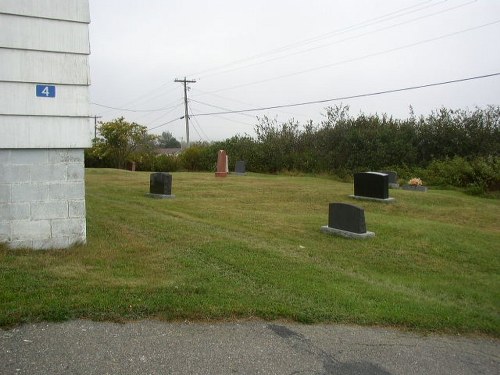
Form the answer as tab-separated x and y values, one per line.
42	198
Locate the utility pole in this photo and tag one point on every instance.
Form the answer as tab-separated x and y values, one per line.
186	113
95	125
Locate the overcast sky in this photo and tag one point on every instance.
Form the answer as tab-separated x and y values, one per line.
261	53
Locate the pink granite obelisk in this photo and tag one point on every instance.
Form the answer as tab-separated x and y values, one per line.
222	164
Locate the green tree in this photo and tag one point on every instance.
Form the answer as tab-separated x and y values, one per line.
121	141
167	140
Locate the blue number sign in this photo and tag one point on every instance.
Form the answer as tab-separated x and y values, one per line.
46	91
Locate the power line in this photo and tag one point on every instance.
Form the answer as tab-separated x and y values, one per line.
165	123
134	110
199	126
351	96
357	58
215	106
166	113
149	93
240	102
369	22
338	41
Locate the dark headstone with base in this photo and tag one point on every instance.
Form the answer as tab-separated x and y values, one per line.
346	220
240	167
160	185
372	186
393	179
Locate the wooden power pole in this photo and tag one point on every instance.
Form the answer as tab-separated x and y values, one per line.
186	113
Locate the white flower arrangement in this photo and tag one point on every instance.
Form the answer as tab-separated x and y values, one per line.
415	182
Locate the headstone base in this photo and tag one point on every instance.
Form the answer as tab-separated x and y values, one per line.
387	200
160	196
393	185
415	188
344	233
220	174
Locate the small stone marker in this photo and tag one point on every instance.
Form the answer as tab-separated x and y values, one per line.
346	220
372	186
393	179
420	188
222	164
131	166
160	185
240	168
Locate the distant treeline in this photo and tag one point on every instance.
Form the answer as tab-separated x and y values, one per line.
450	147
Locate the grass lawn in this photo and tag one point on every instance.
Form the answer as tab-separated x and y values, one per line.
251	246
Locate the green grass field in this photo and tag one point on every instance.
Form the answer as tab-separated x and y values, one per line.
250	247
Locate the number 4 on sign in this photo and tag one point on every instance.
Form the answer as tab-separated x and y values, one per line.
46	91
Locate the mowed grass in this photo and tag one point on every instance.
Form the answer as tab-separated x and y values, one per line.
250	247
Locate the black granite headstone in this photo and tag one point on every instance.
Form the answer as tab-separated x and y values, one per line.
372	185
240	167
160	183
346	217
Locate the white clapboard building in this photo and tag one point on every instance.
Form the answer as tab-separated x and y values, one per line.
44	122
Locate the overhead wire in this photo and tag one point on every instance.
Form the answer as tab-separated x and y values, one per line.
133	110
242	102
164	114
366	23
199	126
215	106
357	58
383	18
166	123
352	96
341	40
357	96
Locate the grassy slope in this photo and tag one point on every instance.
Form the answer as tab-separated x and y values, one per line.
251	247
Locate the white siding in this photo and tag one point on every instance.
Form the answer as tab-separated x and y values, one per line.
75	10
34	66
43	35
45	132
21	99
44	42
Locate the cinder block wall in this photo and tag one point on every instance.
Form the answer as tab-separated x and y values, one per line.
42	198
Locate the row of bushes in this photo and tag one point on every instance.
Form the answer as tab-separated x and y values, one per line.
447	148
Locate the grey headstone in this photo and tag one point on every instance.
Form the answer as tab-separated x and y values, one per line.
160	184
393	178
240	167
346	220
372	185
346	217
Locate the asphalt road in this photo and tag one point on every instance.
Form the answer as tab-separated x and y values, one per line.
152	347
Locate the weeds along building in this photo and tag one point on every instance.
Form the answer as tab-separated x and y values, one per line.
44	122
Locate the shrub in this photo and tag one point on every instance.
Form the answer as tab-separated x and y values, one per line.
166	163
478	176
198	158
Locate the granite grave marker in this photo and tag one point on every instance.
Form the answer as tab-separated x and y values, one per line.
346	220
393	179
372	186
222	164
240	167
160	185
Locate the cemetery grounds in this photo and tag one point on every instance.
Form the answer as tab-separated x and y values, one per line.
250	247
